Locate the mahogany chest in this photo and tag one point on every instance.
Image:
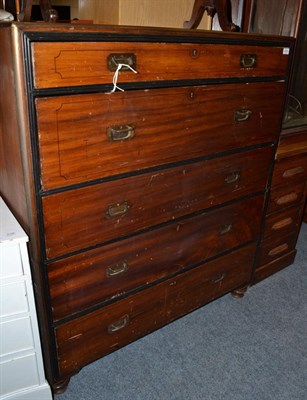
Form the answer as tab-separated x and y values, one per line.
139	162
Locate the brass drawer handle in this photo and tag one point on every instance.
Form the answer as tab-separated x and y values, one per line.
292	172
226	229
117	269
288	198
118	133
114	59
248	60
218	278
120	324
242	115
233	177
278	249
282	224
116	210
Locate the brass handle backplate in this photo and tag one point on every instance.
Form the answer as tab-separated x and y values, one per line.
120	324
242	115
118	133
117	269
233	177
248	60
125	59
226	229
116	210
218	278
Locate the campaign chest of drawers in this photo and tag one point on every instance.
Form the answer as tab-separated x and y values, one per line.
138	161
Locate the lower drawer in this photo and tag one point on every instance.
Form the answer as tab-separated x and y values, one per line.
18	374
88	216
283	222
273	248
85	280
16	335
266	270
87	338
13	299
286	196
290	169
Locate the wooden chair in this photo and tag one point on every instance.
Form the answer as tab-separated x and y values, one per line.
220	7
48	13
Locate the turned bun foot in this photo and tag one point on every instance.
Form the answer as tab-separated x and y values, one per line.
60	386
239	293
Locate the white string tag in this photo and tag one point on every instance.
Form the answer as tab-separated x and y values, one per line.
115	76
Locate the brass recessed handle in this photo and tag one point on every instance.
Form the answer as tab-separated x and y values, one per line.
118	133
117	269
282	224
226	229
288	198
116	210
218	278
242	115
114	59
119	324
248	60
233	177
292	172
278	249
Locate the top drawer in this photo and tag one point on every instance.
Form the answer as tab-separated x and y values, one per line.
290	169
61	64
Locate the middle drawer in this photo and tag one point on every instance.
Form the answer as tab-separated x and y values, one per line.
92	136
84	339
85	280
110	210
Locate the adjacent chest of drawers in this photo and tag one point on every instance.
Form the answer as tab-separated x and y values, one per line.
144	159
21	365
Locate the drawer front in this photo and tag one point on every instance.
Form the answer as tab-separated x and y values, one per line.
89	136
84	217
273	248
292	144
290	169
87	279
87	338
16	335
283	222
84	63
209	282
13	299
266	270
11	264
18	374
288	196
